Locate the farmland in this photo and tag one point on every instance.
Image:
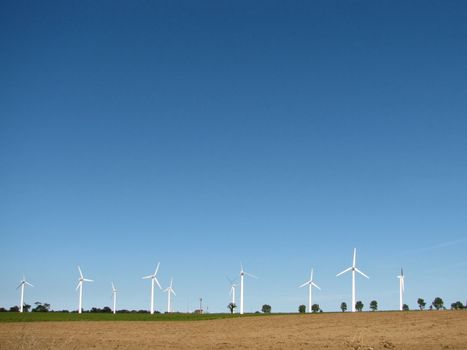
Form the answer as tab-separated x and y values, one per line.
363	331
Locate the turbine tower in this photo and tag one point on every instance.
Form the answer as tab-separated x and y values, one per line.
22	284
310	285
354	269
169	291
80	287
242	275
153	280
401	289
114	296
233	286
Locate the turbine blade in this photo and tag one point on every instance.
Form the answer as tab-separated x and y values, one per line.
361	273
155	279
173	292
249	274
311	276
346	270
148	277
29	284
315	285
157	268
354	256
79	284
80	272
113	287
304	284
20	285
87	280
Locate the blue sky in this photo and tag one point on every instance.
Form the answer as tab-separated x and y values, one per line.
280	134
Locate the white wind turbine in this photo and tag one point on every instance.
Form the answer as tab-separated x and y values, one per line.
169	291
401	289
114	296
153	280
233	286
242	275
310	283
80	287
22	284
354	269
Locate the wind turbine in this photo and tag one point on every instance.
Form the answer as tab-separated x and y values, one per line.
354	269
22	284
169	291
153	279
310	285
242	275
233	286
114	296
401	289
80	287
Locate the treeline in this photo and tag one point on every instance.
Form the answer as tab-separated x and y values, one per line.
437	304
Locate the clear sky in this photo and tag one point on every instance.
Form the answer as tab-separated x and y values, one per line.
202	134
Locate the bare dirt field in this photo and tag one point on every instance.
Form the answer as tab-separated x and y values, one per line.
362	331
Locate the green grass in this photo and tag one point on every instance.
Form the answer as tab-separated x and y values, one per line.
63	316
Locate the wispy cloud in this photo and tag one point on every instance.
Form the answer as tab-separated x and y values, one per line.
437	246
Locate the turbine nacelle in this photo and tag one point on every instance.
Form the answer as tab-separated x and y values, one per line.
153	277
169	289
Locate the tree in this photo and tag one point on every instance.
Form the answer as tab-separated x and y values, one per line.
421	303
315	307
26	307
374	305
41	307
266	309
405	307
438	303
457	306
359	305
14	309
344	307
302	309
231	307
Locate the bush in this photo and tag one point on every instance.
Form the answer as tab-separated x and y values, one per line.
457	306
266	309
374	305
405	307
302	309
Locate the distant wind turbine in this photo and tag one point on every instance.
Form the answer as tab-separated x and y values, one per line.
233	286
401	289
310	285
242	275
153	279
354	269
22	284
114	296
80	287
169	291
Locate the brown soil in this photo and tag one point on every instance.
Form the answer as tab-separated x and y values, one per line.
361	331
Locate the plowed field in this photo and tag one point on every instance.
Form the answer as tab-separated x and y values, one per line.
362	331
